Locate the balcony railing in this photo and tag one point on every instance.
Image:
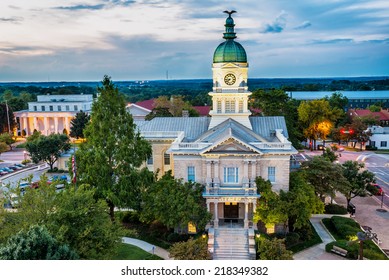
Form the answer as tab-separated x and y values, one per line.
247	189
272	146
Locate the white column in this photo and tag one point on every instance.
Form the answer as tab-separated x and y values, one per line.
214	105
56	125
46	126
208	206
245	105
67	123
254	169
216	172
208	163
25	120
246	211
21	125
216	220
36	123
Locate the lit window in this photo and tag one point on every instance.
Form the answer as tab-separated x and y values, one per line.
230	106
166	159
231	174
240	106
271	174
191	173
219	106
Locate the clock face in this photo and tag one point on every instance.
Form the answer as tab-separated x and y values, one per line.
230	79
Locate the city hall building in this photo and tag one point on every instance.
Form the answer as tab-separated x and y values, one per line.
226	151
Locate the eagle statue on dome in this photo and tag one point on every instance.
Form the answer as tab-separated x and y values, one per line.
229	13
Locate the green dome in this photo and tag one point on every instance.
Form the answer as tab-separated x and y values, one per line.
229	51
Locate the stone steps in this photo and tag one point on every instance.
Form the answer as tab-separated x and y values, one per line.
231	244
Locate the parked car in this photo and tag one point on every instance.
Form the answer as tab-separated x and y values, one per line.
3	172
8	169
379	189
20	165
16	167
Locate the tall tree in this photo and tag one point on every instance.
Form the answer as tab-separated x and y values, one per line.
325	176
173	107
3	147
48	148
7	121
114	151
78	124
359	179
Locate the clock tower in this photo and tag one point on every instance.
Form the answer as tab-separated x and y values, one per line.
230	92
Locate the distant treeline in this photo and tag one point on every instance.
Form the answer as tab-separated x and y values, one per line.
196	91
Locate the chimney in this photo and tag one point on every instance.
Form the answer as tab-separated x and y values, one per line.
185	113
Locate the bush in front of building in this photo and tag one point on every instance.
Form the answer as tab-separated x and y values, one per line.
335	209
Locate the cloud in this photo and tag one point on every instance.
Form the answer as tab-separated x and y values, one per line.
304	25
333	41
278	25
124	3
12	19
81	7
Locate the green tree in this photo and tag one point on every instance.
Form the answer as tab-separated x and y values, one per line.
48	148
301	200
175	203
317	119
270	208
3	147
325	176
7	95
35	244
35	135
193	249
113	152
83	223
78	124
329	154
274	249
7	139
359	179
73	216
337	100
4	118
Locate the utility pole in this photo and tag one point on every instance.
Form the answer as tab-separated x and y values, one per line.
9	125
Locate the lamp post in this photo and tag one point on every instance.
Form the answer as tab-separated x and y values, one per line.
9	125
363	236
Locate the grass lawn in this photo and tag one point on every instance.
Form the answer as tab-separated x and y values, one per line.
131	252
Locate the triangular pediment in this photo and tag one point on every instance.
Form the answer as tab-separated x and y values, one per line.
230	145
230	65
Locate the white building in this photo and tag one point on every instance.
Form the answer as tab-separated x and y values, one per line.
227	151
380	137
52	113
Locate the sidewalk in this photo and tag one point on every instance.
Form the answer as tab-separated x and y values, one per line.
318	252
160	252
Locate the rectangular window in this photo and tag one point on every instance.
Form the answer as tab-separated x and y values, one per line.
75	108
384	143
59	108
43	108
51	108
35	108
271	174
67	108
230	106
372	143
166	159
191	173
231	174
150	160
219	106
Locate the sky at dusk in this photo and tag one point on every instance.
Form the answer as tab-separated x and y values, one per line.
66	40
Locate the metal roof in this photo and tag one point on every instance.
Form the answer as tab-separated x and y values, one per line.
193	127
265	126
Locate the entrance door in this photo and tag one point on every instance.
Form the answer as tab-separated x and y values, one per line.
231	210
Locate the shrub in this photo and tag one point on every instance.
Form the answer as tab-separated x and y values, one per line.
26	161
371	148
129	217
292	238
175	237
335	209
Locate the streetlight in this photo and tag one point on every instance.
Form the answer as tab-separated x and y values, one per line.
25	155
363	236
